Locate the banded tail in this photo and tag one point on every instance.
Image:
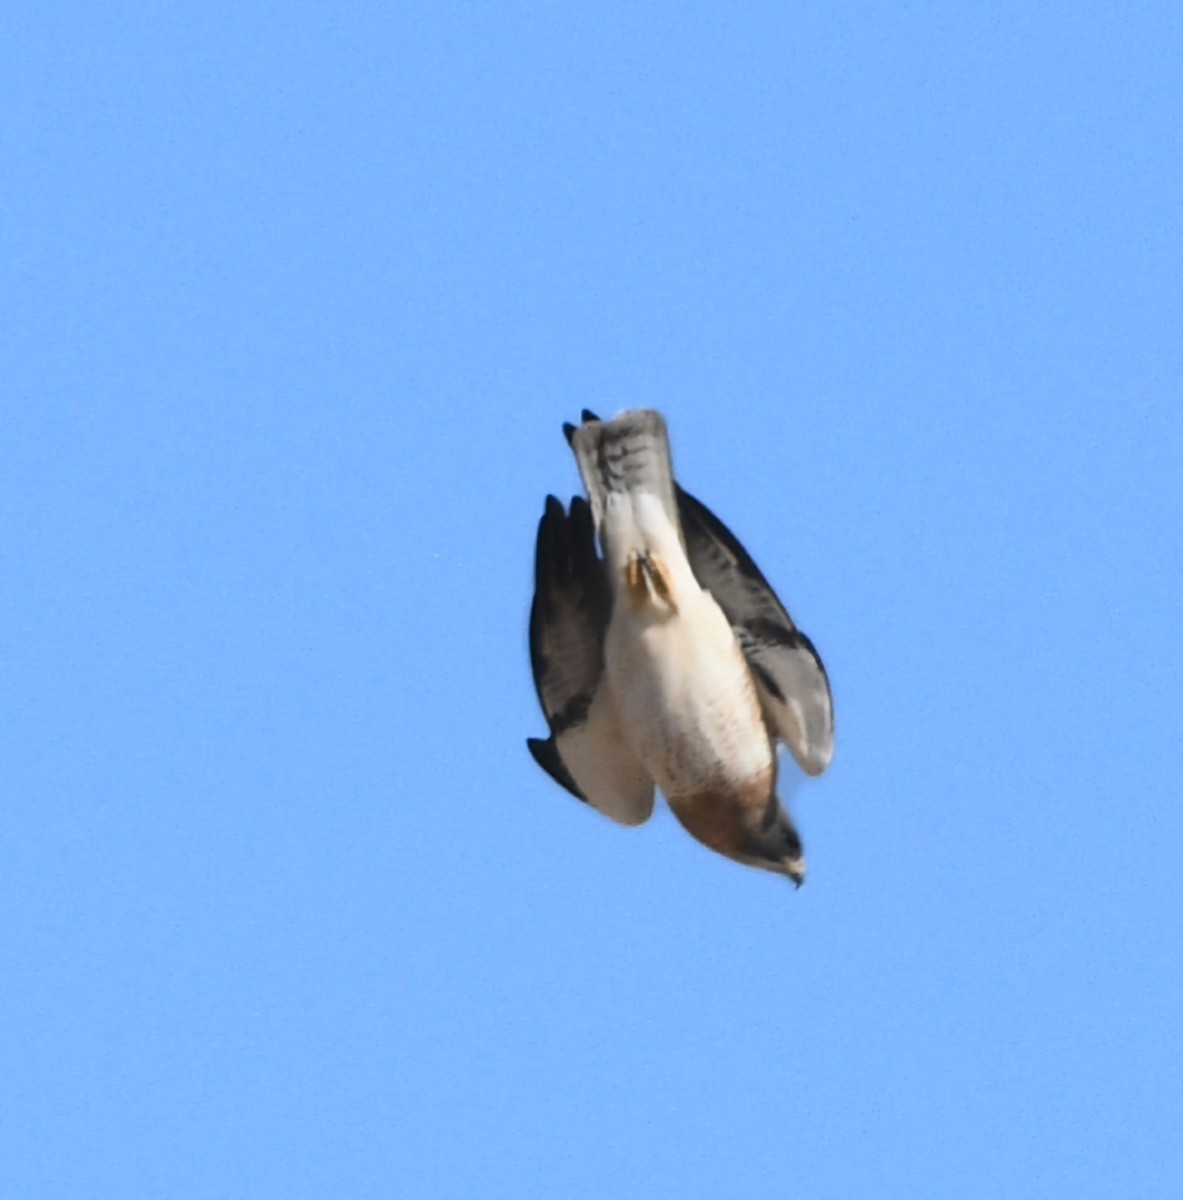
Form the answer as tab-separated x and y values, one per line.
626	470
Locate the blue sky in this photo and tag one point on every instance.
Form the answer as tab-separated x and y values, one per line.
295	302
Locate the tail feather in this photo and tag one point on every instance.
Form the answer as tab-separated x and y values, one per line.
628	457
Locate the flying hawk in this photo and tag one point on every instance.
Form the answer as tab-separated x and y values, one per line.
668	662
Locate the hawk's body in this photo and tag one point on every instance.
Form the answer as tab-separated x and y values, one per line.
659	666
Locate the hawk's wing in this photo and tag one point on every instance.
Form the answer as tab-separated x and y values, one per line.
586	752
788	671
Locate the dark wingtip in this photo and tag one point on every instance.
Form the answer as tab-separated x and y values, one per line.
568	431
588	415
549	553
546	755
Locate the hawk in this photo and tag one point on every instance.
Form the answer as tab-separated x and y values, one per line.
668	661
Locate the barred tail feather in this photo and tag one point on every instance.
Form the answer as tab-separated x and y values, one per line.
626	469
627	456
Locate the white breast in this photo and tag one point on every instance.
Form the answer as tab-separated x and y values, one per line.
686	697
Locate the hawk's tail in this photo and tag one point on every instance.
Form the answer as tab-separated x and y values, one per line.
625	464
627	457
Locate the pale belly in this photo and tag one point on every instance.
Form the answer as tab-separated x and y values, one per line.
686	698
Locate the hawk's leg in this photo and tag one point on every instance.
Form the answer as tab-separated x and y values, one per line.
648	581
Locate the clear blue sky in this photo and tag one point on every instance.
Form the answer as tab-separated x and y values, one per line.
293	305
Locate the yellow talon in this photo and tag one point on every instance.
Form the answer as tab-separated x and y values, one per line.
648	582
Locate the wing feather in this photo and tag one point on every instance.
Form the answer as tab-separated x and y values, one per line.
586	752
788	670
